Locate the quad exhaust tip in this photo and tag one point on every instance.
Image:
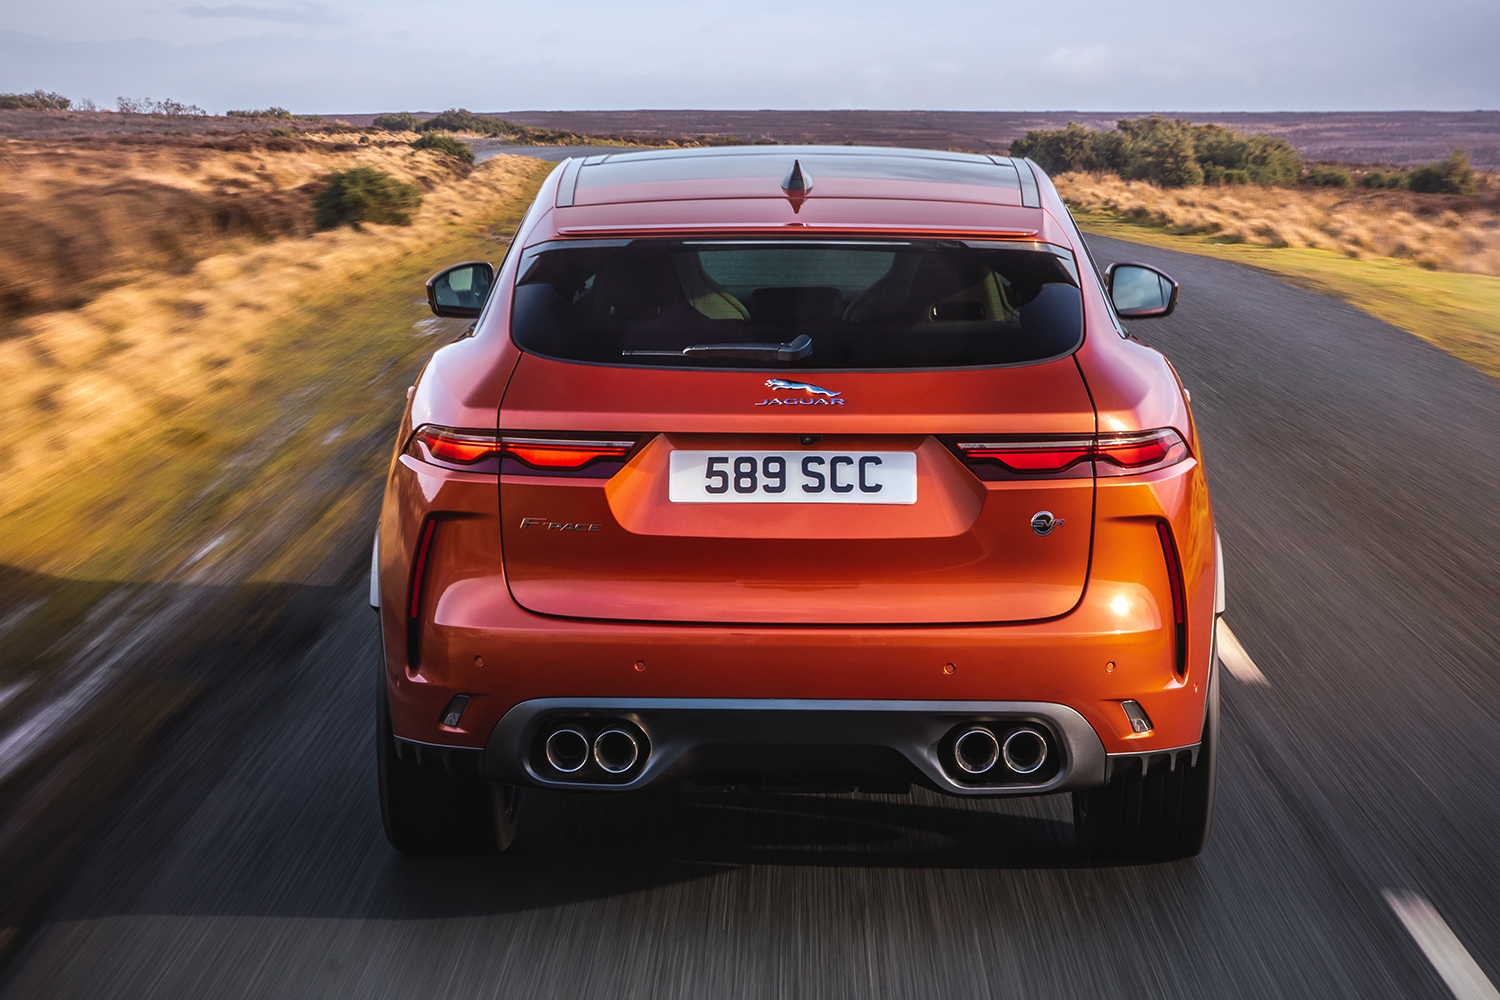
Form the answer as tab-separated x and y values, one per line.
616	751
567	750
1025	751
976	750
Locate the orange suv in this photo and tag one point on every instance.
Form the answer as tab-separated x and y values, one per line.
798	467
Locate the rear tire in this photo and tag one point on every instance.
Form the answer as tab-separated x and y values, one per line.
1165	815
427	810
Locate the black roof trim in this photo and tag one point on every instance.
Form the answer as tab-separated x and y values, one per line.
872	162
1031	196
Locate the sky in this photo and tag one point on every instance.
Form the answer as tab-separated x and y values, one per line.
502	55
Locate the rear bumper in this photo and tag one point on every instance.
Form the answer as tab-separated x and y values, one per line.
1117	644
701	738
506	660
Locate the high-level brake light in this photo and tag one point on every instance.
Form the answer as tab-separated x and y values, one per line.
534	455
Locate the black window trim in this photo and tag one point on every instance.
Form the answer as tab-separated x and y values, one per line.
1064	254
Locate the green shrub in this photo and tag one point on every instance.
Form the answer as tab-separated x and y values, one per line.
1451	175
1170	153
1168	162
151	106
445	144
37	100
401	121
364	194
463	120
1064	149
273	112
1272	161
1329	177
1381	179
1215	174
1160	151
282	133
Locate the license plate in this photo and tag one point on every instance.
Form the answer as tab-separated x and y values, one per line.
793	477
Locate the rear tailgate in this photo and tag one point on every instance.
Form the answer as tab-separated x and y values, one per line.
736	549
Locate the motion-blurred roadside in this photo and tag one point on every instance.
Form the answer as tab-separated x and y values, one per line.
200	388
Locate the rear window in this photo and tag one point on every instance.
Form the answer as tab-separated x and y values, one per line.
798	304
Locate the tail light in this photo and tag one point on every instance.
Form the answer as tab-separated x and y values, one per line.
1143	451
1026	458
1110	454
465	450
531	455
559	456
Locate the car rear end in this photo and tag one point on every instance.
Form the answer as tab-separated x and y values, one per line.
850	485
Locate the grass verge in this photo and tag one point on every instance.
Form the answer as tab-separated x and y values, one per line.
292	355
203	548
1459	313
1439	232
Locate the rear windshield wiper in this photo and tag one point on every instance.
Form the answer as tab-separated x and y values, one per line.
795	351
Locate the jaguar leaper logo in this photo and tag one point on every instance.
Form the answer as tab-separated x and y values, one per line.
816	390
812	398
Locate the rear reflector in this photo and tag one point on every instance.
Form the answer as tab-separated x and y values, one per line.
454	713
1140	722
533	455
418	576
1179	594
1110	454
419	567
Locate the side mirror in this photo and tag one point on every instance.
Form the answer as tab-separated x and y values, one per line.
1140	292
460	290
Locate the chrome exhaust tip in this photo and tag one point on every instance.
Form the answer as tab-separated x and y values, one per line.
976	750
567	750
1025	750
616	751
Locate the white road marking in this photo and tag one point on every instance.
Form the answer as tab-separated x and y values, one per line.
1441	946
1233	656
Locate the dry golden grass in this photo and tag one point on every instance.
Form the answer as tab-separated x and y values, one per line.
1437	232
135	354
80	216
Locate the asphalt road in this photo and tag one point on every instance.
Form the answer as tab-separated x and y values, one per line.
1354	470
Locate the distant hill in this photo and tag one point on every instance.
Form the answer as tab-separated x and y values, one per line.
1402	138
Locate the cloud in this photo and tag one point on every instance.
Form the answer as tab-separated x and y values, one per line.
1080	60
308	13
256	53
